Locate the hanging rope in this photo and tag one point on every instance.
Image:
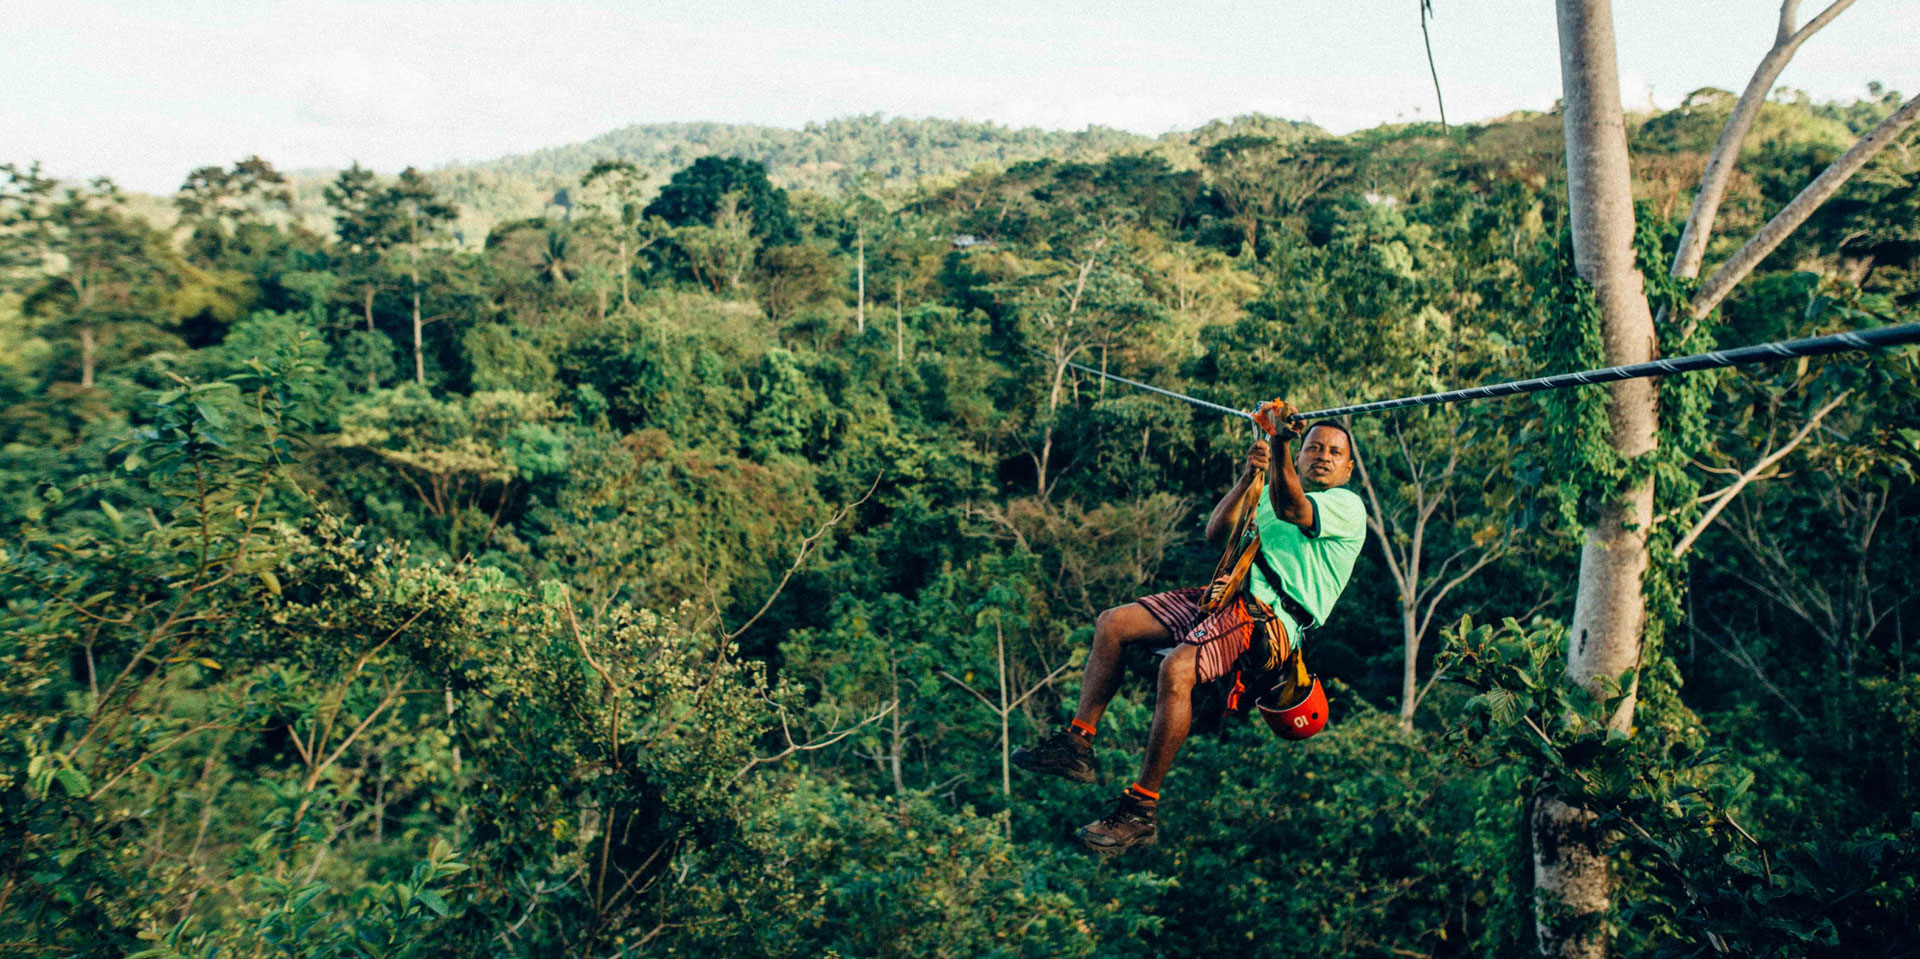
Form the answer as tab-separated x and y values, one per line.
1849	342
1426	10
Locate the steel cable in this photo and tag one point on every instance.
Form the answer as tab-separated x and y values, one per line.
1848	342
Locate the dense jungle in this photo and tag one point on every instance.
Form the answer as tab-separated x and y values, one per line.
593	555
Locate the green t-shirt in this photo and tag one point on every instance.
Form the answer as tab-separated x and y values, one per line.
1314	563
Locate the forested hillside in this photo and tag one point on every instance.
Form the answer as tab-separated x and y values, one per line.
870	152
896	151
670	573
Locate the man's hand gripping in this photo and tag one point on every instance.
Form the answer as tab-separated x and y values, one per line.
1277	419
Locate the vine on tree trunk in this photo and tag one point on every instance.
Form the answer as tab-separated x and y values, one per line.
1587	470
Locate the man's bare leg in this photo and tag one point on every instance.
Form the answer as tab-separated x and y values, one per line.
1172	715
1114	630
1133	821
1069	752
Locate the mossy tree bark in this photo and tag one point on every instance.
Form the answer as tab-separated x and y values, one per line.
1571	877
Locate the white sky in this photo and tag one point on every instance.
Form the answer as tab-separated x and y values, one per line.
146	91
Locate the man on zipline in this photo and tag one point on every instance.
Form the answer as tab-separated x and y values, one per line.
1310	531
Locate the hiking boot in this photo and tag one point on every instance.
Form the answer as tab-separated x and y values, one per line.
1131	823
1066	754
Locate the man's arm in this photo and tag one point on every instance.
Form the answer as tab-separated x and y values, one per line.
1289	499
1226	514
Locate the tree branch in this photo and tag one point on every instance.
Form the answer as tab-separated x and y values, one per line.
813	744
1377	520
1489	556
1720	163
155	751
1724	496
806	546
1795	213
1036	687
1740	655
969	688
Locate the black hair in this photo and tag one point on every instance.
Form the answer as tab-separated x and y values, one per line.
1353	452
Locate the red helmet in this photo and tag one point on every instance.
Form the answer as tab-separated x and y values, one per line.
1300	720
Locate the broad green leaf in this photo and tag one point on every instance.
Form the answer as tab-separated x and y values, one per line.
433	901
73	781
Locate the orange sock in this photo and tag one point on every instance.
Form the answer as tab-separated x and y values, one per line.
1143	793
1083	728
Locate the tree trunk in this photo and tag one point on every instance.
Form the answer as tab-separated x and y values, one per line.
860	274
1571	877
626	268
1006	709
1410	670
1427	41
1568	867
899	327
419	359
1061	356
366	309
1609	610
87	355
897	747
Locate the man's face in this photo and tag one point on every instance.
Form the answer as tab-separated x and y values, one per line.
1324	460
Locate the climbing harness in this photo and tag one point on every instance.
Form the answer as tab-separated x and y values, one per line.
1849	342
1288	697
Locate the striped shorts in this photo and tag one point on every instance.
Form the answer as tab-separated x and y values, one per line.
1179	611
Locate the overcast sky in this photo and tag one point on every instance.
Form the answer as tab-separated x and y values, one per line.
146	91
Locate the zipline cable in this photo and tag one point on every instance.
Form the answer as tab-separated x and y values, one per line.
1148	386
1743	356
1848	342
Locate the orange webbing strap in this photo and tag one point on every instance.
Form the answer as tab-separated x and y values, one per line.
1230	573
1280	645
1294	680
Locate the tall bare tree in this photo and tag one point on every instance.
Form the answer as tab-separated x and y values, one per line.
421	217
1571	876
1008	699
1713	182
1422	495
611	192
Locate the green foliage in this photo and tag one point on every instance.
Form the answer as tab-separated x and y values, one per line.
1701	883
500	360
381	920
231	209
669	607
828	872
694	197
